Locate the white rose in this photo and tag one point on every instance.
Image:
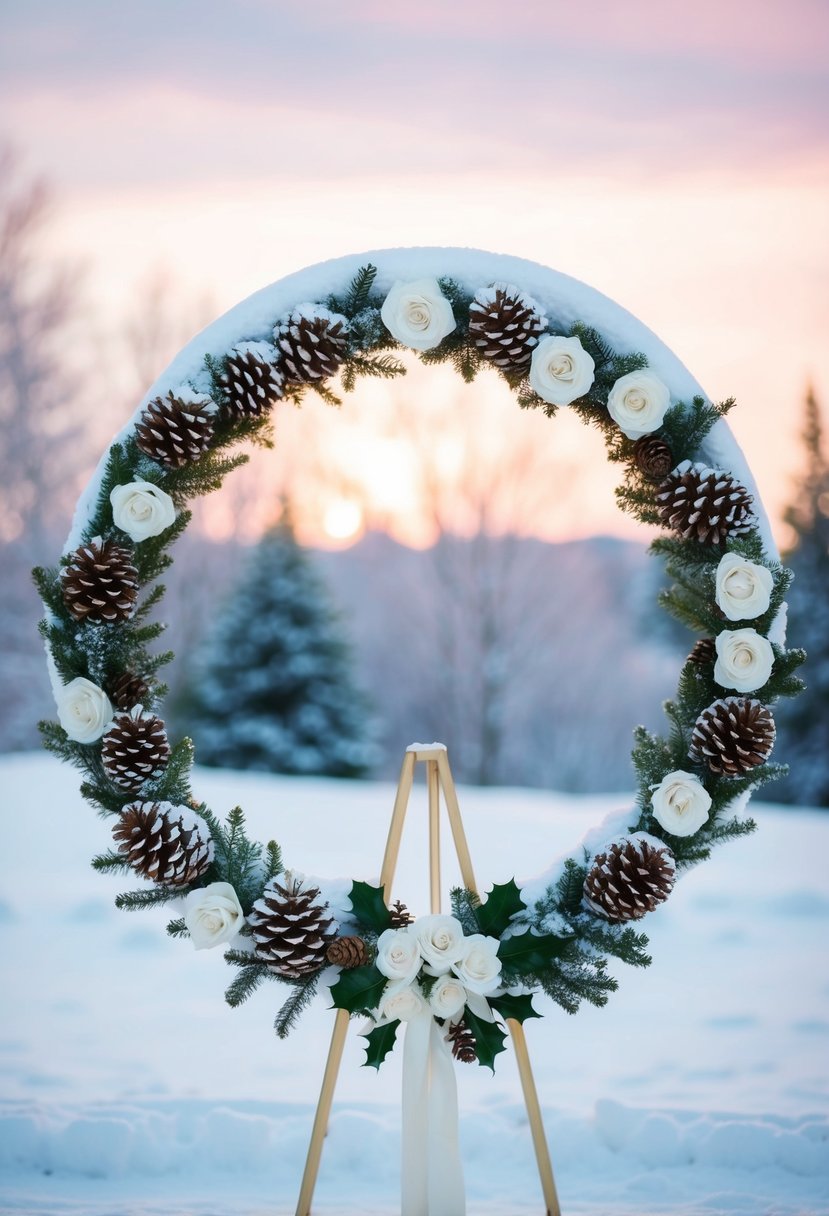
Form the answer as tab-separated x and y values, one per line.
447	997
84	710
440	939
743	588
398	955
418	314
141	509
479	969
401	1002
213	915
638	402
561	369
744	659
681	803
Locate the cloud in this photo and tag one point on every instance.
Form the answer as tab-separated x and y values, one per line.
257	87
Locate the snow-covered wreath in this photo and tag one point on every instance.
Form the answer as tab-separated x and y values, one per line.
558	344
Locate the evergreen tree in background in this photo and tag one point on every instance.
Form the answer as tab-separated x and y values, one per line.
273	688
803	725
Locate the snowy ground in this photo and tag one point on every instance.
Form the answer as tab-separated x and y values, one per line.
129	1087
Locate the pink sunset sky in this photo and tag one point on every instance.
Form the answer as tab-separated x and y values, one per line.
675	157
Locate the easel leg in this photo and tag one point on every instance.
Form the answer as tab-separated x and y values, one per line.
542	1151
329	1081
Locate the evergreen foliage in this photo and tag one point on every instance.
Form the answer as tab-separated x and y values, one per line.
272	687
803	728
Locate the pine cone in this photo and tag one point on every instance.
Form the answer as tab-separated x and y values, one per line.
462	1042
732	736
176	430
347	952
253	383
290	929
400	916
504	324
313	344
134	749
100	584
630	878
653	457
128	690
704	504
169	844
703	651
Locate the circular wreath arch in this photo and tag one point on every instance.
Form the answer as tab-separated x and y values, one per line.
558	344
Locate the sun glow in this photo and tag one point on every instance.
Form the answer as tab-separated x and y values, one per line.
343	519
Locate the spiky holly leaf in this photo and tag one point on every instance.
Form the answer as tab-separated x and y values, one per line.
529	952
489	1038
510	1005
380	1041
369	906
358	990
499	907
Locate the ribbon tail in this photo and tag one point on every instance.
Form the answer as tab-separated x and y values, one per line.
431	1172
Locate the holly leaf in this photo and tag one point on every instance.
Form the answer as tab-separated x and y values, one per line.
380	1041
358	990
369	906
489	1038
499	907
510	1005
529	952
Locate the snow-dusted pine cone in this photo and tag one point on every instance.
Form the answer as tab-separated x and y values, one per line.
400	915
505	324
291	932
630	878
733	736
312	343
704	504
703	651
100	584
653	457
462	1041
134	749
252	381
128	690
169	844
347	952
176	430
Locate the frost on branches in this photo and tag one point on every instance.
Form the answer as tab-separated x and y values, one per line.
273	688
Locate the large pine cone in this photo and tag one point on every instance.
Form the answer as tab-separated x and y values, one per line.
128	690
704	504
290	929
100	584
505	324
630	879
733	736
169	844
134	749
347	952
653	457
252	381
313	344
462	1041
175	431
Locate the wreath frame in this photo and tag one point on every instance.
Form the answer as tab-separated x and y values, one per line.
549	940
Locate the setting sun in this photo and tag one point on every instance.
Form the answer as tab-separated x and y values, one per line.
342	519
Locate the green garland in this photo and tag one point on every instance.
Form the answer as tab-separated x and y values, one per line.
559	945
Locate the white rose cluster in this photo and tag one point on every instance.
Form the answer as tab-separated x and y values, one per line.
461	966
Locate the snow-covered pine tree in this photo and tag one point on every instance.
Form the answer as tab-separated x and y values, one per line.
273	686
803	725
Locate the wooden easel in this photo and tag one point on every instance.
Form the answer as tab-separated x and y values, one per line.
438	776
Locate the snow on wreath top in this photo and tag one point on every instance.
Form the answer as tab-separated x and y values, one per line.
557	344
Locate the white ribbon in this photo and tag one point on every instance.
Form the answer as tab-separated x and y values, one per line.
431	1174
